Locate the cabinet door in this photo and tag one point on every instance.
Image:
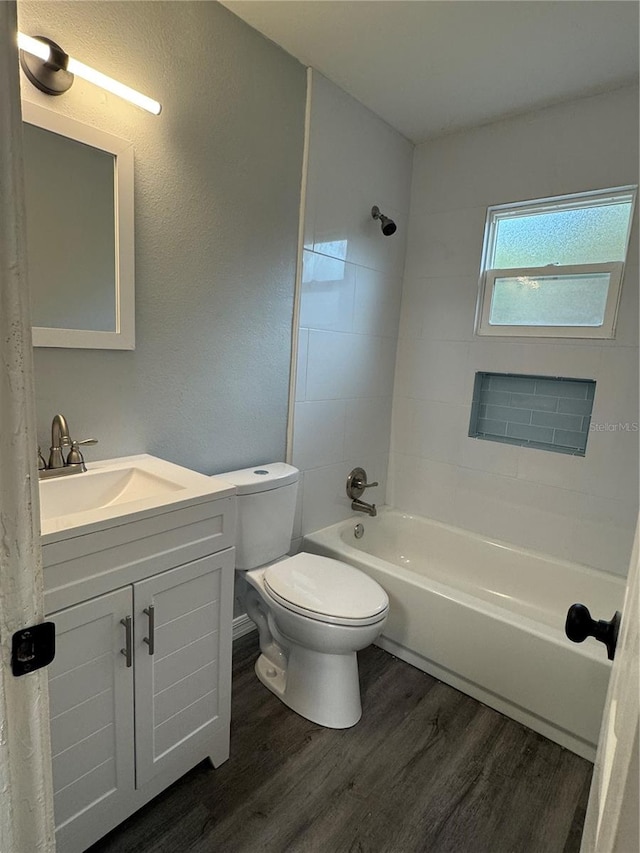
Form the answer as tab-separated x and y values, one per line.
91	710
183	688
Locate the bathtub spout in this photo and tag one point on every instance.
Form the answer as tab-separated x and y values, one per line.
363	506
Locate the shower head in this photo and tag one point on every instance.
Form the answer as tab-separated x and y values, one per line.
387	225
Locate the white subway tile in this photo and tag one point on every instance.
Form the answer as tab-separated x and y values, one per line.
489	456
608	470
404	436
342	366
387	351
412	309
546	358
439	428
301	366
327	294
446	244
297	521
423	487
377	303
556	521
319	433
608	160
628	311
538	358
616	397
554	469
606	543
324	502
368	426
407	367
444	373
449	306
468	169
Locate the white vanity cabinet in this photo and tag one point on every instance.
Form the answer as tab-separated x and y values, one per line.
178	689
91	710
140	686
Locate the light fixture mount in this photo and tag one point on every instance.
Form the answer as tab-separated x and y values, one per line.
50	76
52	71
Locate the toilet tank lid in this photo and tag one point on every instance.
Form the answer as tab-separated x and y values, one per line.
261	478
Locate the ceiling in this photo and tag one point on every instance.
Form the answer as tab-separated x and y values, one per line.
429	67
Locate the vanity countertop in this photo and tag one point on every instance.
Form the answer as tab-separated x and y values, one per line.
118	491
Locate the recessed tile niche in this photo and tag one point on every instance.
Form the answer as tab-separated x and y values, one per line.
544	412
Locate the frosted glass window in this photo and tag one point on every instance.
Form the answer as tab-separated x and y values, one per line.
553	267
592	235
572	300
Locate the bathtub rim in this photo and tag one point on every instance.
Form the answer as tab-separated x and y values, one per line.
470	534
590	648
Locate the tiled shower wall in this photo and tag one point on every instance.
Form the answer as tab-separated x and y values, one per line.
350	303
576	508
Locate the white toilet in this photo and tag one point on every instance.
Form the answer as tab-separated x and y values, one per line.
313	613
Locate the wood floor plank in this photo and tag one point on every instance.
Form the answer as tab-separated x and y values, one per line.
426	770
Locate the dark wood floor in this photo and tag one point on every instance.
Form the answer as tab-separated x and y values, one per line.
427	770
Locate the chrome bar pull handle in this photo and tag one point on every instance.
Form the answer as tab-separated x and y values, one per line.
150	611
128	649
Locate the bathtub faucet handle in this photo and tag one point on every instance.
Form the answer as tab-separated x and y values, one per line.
356	484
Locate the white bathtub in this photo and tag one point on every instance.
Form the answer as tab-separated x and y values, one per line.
487	618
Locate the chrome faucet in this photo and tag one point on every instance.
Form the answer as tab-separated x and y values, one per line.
59	439
356	484
58	466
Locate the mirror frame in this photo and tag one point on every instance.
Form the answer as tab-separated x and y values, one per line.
124	335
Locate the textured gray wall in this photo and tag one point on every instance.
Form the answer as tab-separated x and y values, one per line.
217	199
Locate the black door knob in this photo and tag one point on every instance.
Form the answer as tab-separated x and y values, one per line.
580	625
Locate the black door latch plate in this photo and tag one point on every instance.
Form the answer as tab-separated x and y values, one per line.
32	648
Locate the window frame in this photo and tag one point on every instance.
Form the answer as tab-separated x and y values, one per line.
488	275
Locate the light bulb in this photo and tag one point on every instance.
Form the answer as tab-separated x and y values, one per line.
111	85
35	47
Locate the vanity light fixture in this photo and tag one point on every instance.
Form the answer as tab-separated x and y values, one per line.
52	71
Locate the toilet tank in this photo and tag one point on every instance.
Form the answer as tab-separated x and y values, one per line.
266	502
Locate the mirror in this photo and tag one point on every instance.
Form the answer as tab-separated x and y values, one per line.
80	247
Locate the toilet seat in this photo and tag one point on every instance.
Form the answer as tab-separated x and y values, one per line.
326	590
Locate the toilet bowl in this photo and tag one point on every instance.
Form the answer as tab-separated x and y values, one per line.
313	613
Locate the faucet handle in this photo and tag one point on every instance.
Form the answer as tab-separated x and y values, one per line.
369	485
357	483
75	456
41	463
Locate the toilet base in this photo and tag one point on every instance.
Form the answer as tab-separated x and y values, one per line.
323	688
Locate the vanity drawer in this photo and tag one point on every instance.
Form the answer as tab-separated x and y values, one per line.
83	567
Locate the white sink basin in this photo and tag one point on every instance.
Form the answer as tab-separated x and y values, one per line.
121	487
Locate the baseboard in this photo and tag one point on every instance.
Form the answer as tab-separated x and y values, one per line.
242	625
